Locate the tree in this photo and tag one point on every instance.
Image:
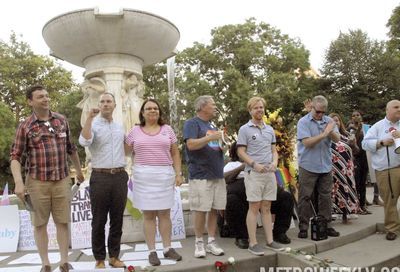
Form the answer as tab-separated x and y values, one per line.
67	107
355	75
394	29
242	61
21	68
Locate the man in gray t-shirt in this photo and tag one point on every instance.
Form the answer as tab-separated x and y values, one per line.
256	147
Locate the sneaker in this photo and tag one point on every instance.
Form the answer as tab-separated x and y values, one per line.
173	255
303	234
256	250
332	232
214	249
153	259
199	251
273	245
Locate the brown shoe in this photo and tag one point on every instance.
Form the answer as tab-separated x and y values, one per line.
153	259
45	268
116	263
391	236
100	264
65	267
172	255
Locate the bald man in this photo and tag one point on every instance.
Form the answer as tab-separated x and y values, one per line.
386	163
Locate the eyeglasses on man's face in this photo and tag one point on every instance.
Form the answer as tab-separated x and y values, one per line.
318	111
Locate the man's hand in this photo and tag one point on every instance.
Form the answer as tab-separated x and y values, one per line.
80	177
20	190
271	167
387	142
329	128
396	134
93	112
217	135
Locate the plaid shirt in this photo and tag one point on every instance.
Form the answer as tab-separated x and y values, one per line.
46	144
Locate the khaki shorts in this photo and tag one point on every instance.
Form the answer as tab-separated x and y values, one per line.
260	186
49	196
207	194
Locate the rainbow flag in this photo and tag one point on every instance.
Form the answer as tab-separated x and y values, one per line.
283	177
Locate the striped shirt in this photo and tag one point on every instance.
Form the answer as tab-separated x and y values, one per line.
152	149
46	145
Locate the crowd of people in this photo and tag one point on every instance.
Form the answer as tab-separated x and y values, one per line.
331	158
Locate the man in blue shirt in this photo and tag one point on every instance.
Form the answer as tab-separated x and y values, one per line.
207	190
379	140
315	131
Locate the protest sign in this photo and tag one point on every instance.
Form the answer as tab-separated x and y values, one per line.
9	228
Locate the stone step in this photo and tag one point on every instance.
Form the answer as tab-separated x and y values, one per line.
372	251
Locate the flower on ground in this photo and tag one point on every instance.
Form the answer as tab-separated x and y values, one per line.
131	268
231	260
308	257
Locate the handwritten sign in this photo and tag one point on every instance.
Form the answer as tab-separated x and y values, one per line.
81	220
26	238
178	225
9	229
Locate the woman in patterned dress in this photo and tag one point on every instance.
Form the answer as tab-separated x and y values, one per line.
344	196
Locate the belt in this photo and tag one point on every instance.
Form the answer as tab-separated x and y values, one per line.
109	170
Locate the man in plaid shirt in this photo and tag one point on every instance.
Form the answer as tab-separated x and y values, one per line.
44	137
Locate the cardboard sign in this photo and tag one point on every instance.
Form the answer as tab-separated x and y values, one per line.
9	228
81	220
178	224
26	238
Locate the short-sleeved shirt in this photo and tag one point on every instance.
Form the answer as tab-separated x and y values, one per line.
208	161
258	141
46	144
154	149
317	159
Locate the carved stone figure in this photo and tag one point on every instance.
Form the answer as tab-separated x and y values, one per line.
92	88
131	95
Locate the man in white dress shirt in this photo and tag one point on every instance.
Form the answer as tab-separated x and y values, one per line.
380	142
108	181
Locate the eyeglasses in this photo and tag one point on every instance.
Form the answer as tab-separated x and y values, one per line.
149	109
318	112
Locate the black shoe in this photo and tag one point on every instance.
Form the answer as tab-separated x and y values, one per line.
303	234
242	243
391	236
332	232
282	238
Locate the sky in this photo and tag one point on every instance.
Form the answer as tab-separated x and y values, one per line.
315	22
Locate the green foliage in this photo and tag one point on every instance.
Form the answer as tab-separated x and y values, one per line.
67	107
21	68
242	61
394	29
359	74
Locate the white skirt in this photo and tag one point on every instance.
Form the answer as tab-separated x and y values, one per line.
153	187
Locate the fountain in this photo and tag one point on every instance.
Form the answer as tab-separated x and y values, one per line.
113	48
